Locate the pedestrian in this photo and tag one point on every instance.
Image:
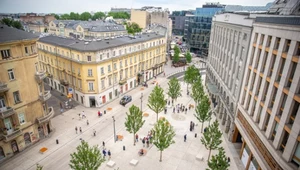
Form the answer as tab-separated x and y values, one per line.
228	160
173	109
165	110
205	130
178	110
80	130
99	113
94	131
189	107
136	137
184	137
147	142
79	116
193	126
87	122
185	110
109	154
172	102
164	74
168	102
83	115
76	129
103	144
104	152
143	141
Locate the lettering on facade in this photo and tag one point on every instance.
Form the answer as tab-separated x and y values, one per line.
258	143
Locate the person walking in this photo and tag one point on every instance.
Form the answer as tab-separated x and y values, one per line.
83	115
166	110
94	132
87	122
104	152
147	143
143	141
109	154
185	110
76	129
184	138
136	137
173	109
99	113
103	144
80	130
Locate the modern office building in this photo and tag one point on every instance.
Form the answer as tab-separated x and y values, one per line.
86	29
198	28
25	117
228	49
96	72
268	115
178	21
240	8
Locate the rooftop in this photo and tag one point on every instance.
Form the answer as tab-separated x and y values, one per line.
9	34
96	45
279	20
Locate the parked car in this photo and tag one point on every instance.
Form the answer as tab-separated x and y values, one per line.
125	99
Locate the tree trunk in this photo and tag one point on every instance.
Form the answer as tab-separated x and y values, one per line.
160	156
208	155
133	139
187	87
202	127
156	117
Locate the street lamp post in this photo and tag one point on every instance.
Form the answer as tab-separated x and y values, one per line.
115	138
141	101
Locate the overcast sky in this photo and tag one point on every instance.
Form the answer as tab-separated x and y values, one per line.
66	6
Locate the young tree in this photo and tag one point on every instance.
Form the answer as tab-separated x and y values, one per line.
134	121
65	17
86	157
211	138
39	167
163	134
219	161
202	109
98	15
133	28
176	49
191	75
176	54
156	100
188	57
174	88
197	91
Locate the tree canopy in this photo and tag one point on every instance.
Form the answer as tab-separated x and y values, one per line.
218	161
156	100
188	57
85	16
119	15
163	134
134	121
86	157
202	109
197	91
132	28
12	23
176	54
98	15
211	138
174	90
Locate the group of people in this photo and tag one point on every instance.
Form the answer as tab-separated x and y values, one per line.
81	115
180	108
108	153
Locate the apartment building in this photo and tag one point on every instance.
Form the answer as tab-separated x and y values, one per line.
267	119
86	29
25	117
229	45
96	72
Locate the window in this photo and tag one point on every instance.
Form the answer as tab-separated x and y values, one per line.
120	64
287	46
108	68
291	74
102	83
102	70
284	141
115	66
21	118
277	43
296	157
91	86
114	53
89	58
107	55
245	36
269	41
17	98
5	54
274	131
281	69
90	72
26	50
294	112
11	74
109	80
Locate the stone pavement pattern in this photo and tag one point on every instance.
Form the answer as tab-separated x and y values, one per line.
181	155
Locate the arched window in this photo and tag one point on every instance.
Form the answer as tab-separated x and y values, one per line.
27	138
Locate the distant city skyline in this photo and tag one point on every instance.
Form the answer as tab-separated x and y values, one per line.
67	6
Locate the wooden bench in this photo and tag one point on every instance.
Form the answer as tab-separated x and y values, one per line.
134	162
110	164
109	109
43	150
145	114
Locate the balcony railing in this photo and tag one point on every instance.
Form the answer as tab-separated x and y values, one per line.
123	81
3	87
8	137
6	113
47	117
45	96
40	75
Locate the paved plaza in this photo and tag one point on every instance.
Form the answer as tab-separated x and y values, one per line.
181	155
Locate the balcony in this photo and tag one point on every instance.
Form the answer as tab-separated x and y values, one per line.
123	81
3	87
10	136
45	96
47	117
4	113
40	75
63	82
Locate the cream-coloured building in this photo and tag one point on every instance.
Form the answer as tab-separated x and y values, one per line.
86	29
25	117
96	72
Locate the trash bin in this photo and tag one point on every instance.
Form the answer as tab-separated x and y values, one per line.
123	148
104	111
57	141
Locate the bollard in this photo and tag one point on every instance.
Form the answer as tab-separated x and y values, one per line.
195	135
57	141
123	148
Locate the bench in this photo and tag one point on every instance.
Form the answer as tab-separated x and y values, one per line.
109	109
200	157
43	150
134	162
145	114
110	164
